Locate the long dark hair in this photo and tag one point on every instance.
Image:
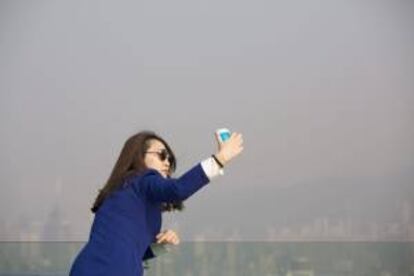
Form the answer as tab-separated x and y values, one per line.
131	162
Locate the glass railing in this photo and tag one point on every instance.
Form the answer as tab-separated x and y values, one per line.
230	258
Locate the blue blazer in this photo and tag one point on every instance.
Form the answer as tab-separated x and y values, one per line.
128	220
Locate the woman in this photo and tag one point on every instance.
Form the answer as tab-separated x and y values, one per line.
128	208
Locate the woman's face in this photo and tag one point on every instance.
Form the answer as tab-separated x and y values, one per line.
154	155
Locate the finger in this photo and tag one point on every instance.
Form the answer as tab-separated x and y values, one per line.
175	241
237	136
159	235
164	238
161	239
170	233
218	138
175	237
170	237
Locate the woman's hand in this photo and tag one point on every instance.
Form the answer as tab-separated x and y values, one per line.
230	148
168	236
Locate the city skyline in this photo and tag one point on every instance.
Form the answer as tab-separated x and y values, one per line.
322	93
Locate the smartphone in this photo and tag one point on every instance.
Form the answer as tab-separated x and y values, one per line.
223	134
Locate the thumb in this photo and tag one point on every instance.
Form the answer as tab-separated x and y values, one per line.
218	138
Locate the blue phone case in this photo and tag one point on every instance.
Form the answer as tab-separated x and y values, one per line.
224	136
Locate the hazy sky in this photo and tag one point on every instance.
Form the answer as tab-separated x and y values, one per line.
323	92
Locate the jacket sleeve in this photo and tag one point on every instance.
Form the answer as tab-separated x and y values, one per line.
160	189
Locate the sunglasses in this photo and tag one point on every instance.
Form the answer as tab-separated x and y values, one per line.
163	155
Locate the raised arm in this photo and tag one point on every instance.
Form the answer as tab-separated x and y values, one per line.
157	188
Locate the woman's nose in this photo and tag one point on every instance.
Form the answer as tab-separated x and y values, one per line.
166	161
